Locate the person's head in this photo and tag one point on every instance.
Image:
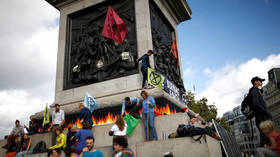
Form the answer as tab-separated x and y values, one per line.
58	130
127	100
74	128
192	120
90	142
86	125
267	127
81	105
144	94
257	81
17	123
24	137
150	52
57	107
120	143
55	153
120	122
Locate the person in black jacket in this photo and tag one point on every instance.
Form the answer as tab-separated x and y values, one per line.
145	65
262	113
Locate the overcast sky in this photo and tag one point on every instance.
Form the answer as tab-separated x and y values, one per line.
223	46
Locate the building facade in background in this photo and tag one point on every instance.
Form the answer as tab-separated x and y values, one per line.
272	94
241	130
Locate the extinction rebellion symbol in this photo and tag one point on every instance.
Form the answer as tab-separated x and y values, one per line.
155	78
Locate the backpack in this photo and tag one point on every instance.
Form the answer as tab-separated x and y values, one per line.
247	107
40	148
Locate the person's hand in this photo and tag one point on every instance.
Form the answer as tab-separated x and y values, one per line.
81	121
85	149
148	102
25	126
196	115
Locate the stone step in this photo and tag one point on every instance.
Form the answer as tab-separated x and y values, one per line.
164	125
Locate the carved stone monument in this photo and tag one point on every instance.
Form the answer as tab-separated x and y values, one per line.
88	62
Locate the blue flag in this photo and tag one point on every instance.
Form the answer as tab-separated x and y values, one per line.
90	102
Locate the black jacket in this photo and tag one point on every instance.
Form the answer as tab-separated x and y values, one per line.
258	101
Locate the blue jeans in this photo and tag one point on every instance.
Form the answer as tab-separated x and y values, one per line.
20	154
152	130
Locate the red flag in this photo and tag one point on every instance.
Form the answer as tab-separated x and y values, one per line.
174	50
114	27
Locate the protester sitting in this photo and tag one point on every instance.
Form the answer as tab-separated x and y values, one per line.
81	136
148	116
13	147
71	135
33	127
85	115
25	146
71	140
89	150
121	149
268	128
60	140
17	131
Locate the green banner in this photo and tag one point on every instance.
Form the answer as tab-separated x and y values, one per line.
155	78
46	116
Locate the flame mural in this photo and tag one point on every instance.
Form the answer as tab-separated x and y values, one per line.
109	115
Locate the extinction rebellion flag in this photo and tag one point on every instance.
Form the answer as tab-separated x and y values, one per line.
114	27
155	78
90	102
46	116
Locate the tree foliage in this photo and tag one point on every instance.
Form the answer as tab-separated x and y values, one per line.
207	112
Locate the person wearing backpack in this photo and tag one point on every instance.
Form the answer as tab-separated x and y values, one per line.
260	107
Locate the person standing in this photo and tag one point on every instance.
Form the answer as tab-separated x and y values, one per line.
130	104
145	65
148	116
58	120
89	150
85	115
258	102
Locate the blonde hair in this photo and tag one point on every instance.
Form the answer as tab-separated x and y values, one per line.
74	127
81	104
268	124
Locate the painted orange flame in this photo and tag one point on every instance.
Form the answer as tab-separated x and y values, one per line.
110	118
164	110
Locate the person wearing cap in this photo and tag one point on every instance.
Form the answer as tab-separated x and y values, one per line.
58	120
262	113
145	65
